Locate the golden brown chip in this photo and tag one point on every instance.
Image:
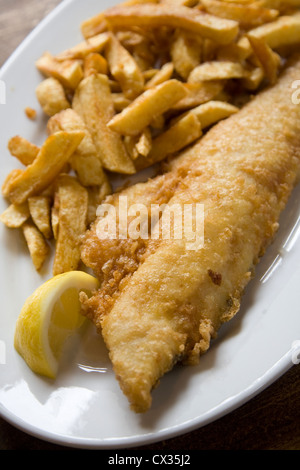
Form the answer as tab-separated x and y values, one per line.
268	59
185	52
93	102
144	143
155	16
198	93
230	52
51	96
15	215
9	179
69	72
37	245
84	161
52	157
182	133
285	31
150	73
72	223
82	50
124	68
153	102
162	75
213	111
145	52
94	63
40	211
253	78
247	15
216	70
97	24
93	26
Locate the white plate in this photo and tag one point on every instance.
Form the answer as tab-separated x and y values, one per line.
84	407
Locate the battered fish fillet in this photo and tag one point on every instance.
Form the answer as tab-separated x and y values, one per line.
160	303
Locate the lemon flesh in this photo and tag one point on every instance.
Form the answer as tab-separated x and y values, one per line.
48	317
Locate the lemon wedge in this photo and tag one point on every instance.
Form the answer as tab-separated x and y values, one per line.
49	316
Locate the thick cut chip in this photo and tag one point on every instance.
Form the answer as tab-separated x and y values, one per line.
37	245
15	215
285	31
82	50
97	24
88	169
247	15
216	70
182	133
23	150
212	112
124	68
9	180
85	160
54	154
154	102
94	63
231	52
40	211
72	223
163	74
147	48
155	16
51	96
93	26
94	103
268	59
69	72
185	52
198	93
253	78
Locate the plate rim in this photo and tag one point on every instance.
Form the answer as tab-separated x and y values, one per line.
257	386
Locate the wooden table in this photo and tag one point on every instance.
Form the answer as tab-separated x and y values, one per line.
270	421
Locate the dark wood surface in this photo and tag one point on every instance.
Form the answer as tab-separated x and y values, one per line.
270	421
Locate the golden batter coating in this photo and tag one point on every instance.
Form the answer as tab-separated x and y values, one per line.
159	302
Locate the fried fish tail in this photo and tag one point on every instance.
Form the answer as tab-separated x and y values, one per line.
170	306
